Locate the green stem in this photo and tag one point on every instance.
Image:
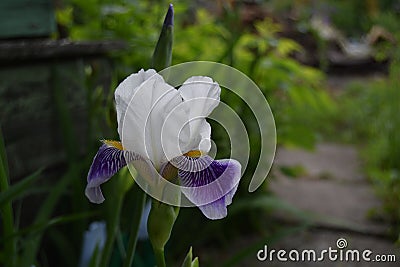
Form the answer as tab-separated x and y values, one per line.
112	227
6	209
120	186
138	210
160	259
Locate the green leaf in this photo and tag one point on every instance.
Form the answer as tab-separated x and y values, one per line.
6	209
188	262
188	259
30	251
95	257
195	262
15	190
162	56
40	227
3	156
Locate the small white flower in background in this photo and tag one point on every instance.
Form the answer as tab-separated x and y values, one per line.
95	237
142	234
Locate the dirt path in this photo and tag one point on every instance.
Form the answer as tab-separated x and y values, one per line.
333	188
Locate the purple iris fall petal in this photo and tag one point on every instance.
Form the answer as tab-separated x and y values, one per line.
209	184
217	209
108	161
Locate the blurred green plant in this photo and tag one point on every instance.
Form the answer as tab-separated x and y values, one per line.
354	18
293	89
371	115
116	20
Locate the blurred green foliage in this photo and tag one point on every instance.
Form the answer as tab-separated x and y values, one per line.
295	92
371	113
354	18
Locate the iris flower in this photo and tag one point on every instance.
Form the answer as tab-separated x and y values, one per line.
165	128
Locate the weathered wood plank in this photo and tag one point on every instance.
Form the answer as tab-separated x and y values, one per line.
28	116
26	18
11	51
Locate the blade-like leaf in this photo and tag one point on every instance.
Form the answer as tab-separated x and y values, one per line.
188	259
162	55
40	227
46	209
195	262
3	156
19	188
6	209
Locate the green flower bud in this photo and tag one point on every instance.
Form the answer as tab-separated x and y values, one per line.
162	55
159	225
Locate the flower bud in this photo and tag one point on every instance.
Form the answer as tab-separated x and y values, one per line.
159	225
162	55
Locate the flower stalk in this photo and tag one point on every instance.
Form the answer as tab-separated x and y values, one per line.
140	200
159	225
121	187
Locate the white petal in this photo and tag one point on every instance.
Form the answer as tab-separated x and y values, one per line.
201	94
126	89
200	87
154	120
205	136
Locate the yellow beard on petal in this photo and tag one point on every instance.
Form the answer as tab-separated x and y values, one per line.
113	143
194	154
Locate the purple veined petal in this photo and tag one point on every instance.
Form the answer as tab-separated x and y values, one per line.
217	209
211	184
110	158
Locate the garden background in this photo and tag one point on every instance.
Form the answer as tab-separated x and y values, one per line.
330	71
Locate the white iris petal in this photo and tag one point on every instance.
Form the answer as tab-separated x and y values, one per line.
159	122
148	108
125	91
202	96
